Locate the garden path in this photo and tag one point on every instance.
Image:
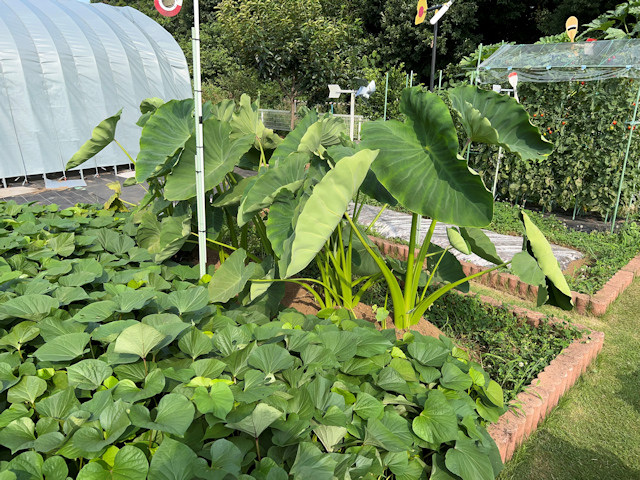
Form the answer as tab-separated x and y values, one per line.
393	224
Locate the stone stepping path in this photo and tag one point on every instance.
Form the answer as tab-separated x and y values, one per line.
393	224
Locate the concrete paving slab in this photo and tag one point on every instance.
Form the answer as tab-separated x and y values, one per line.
393	224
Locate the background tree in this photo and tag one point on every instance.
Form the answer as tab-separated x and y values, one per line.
290	42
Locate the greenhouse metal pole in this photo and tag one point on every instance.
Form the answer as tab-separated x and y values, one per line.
386	95
626	158
199	159
433	57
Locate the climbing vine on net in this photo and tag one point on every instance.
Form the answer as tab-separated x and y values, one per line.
587	122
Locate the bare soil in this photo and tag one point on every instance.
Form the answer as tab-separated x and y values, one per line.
302	300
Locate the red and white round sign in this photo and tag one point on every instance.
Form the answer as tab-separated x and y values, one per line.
168	8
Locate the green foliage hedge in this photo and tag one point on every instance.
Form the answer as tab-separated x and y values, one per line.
117	366
587	124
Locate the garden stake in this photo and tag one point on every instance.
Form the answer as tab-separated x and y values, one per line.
199	167
626	158
440	81
495	179
411	80
575	208
478	66
386	95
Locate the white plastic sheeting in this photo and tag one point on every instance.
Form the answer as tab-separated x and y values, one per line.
65	66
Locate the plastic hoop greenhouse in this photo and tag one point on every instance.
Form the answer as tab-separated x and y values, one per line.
567	62
65	66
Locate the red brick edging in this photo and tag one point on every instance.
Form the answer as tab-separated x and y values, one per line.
596	304
545	391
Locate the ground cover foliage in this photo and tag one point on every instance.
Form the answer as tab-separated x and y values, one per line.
117	365
510	350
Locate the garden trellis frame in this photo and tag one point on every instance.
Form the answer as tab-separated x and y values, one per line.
566	62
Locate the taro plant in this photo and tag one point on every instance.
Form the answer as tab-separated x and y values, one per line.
233	136
419	164
416	164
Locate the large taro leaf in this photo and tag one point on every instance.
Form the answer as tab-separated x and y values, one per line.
101	136
371	185
148	107
527	269
164	238
324	209
230	278
129	463
481	245
164	134
292	141
419	164
279	221
29	307
495	119
223	111
321	135
538	247
174	415
221	154
246	121
289	175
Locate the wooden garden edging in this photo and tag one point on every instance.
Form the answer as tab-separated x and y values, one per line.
596	304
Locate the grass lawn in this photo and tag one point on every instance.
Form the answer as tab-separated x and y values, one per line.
595	431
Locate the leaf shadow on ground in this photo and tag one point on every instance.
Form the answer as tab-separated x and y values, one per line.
629	394
547	457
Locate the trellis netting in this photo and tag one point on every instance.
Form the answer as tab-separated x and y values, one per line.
563	62
65	66
584	100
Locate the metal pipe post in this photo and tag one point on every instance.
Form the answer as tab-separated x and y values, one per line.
386	95
477	78
353	114
199	157
495	179
624	165
433	57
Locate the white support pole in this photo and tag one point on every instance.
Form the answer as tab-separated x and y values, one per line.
495	179
199	158
353	114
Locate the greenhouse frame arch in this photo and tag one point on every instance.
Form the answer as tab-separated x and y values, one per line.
65	66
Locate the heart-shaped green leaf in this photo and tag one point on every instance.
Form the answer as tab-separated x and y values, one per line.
221	154
419	165
325	208
164	134
495	119
101	136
